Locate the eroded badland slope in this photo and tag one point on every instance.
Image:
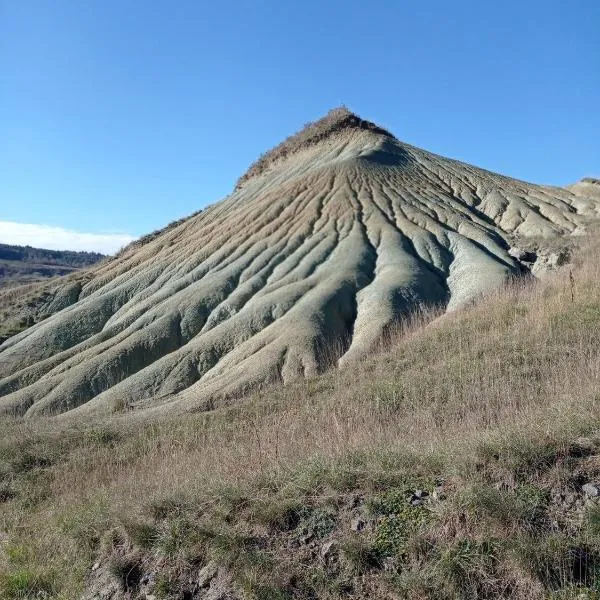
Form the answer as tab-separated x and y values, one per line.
326	242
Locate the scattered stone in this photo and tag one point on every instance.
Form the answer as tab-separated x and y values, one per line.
557	259
147	579
307	538
418	497
358	524
95	566
217	593
389	564
207	574
591	490
438	493
328	549
523	255
582	446
150	597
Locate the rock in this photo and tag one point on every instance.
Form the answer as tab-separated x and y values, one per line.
217	593
389	564
150	597
207	574
523	255
358	524
438	493
557	259
582	446
95	566
591	490
550	261
328	550
418	497
307	538
147	579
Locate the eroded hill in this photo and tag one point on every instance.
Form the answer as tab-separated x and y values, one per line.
29	283
325	243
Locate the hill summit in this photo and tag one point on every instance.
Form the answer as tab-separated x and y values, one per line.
326	242
337	120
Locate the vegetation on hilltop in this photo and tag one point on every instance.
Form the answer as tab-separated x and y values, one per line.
459	462
337	119
149	237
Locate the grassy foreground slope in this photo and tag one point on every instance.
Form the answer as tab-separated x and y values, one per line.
458	462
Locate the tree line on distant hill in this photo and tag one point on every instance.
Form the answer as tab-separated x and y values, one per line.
68	258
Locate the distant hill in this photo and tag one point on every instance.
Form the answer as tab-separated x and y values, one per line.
24	264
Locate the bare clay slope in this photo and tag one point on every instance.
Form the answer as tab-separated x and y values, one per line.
325	242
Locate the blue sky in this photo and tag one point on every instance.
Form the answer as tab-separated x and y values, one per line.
120	116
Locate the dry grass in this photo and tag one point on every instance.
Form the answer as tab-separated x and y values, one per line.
489	399
334	121
16	306
24	305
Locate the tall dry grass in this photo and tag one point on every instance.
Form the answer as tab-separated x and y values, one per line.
523	362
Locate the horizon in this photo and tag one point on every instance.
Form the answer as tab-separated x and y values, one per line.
119	120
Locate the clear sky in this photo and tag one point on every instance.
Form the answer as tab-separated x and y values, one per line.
119	116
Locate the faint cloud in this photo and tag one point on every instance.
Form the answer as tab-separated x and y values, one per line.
58	238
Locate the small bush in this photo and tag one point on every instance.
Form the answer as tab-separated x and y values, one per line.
520	456
25	584
592	520
398	520
316	522
86	524
102	436
164	507
279	514
532	503
177	536
143	535
524	507
466	566
560	561
360	555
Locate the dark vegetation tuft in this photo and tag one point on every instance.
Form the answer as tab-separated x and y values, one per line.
336	120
